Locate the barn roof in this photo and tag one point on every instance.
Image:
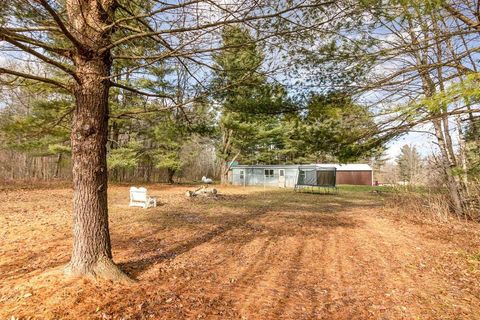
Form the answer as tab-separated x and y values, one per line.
348	166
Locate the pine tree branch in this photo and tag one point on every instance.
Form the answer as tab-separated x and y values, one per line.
32	29
25	39
143	93
32	77
60	24
6	37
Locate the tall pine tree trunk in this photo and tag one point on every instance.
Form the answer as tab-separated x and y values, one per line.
91	240
91	254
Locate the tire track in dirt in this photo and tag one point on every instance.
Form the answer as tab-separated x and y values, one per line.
389	282
354	276
243	273
260	295
367	287
290	290
338	270
315	293
279	293
288	285
304	293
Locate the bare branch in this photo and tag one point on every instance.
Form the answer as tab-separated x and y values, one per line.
211	25
457	14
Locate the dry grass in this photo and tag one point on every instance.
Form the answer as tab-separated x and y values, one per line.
251	254
420	206
431	205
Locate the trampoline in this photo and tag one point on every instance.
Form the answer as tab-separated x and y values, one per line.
315	179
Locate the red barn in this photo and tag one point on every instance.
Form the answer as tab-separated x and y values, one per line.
356	174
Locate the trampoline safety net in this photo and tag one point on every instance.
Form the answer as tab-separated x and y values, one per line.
316	177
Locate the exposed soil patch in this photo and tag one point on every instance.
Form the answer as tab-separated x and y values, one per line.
248	254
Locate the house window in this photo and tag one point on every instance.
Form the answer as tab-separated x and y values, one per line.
281	173
268	173
242	174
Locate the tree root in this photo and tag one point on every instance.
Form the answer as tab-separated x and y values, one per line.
103	269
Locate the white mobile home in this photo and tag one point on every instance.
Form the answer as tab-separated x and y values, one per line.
286	176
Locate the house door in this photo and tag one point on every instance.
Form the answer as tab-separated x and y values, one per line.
242	177
281	178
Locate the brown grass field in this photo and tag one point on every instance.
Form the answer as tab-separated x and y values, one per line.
250	254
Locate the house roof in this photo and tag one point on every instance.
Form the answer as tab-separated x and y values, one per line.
339	167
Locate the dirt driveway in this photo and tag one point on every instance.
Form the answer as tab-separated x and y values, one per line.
252	254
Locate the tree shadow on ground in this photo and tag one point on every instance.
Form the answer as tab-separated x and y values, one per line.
262	214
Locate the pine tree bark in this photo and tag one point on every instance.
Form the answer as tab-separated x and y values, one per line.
91	239
91	254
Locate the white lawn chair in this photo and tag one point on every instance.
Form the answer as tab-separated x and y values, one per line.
140	198
207	180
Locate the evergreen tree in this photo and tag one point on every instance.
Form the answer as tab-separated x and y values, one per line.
249	106
37	122
331	128
409	164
